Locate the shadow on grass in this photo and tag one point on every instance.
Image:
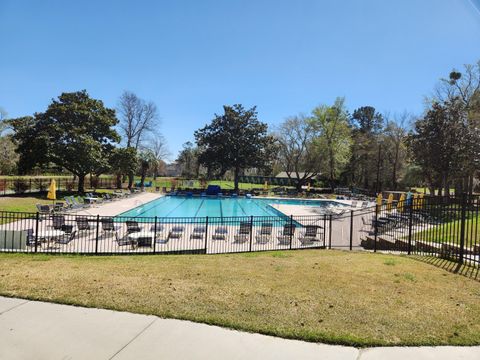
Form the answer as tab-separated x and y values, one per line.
451	266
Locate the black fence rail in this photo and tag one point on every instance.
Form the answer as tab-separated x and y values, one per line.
435	226
71	233
36	185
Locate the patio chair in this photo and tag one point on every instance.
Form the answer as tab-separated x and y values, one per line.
58	221
132	226
82	223
265	233
198	232
30	241
287	234
354	204
108	226
176	232
243	234
310	236
220	233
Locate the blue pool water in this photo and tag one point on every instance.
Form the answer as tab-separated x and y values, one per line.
173	206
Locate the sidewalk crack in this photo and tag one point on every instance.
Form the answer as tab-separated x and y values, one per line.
14	307
135	337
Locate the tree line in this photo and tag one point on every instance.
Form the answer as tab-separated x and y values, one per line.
365	148
81	135
330	146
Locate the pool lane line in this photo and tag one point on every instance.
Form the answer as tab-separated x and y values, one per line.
201	204
221	210
175	208
241	207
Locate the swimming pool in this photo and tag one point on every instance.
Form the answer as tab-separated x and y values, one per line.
196	207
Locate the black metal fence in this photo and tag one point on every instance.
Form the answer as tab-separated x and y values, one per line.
436	226
34	185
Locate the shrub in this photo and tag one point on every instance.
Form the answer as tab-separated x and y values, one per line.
20	186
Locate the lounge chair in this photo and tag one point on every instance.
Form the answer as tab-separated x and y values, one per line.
309	237
265	233
243	234
65	239
287	234
77	204
354	204
43	209
198	232
176	232
220	233
108	226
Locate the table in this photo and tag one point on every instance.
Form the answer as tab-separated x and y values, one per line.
50	235
141	238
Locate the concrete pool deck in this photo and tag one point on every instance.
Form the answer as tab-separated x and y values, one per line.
46	331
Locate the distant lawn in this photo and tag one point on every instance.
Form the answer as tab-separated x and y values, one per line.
450	232
22	203
353	298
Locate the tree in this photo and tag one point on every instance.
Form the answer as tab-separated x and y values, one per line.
334	136
366	158
158	147
395	147
138	118
435	143
75	132
123	161
188	160
8	156
299	155
146	162
235	140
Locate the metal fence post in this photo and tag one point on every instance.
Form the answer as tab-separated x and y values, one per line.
36	231
291	231
251	233
330	232
410	224
324	229
351	229
463	218
154	234
375	230
206	234
96	235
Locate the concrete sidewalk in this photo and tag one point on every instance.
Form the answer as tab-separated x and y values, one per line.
38	330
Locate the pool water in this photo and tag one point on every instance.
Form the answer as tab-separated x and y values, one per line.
173	206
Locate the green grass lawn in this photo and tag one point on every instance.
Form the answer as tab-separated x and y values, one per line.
450	232
353	298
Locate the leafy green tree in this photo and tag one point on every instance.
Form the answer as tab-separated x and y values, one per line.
146	161
188	160
235	140
76	132
367	157
123	161
439	142
334	137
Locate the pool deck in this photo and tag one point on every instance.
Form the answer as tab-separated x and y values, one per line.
115	208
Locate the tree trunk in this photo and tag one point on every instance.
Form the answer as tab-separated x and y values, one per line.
81	183
130	181
119	181
235	175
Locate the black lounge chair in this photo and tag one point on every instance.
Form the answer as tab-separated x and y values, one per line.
265	233
310	236
287	234
108	226
243	234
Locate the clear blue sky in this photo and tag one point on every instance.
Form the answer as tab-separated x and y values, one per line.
191	57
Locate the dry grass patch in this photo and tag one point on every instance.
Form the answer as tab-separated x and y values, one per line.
329	296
